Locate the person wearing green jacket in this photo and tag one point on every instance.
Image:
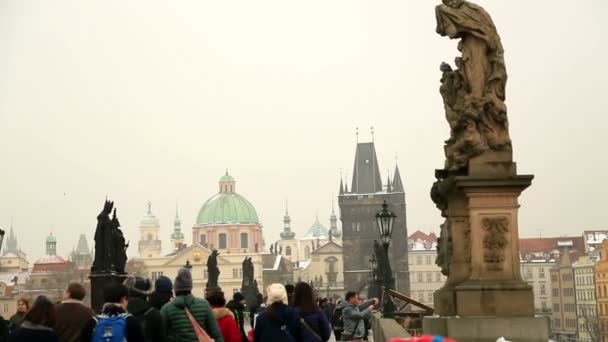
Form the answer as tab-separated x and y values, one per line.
176	326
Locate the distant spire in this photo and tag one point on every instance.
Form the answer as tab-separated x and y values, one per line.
357	134
388	181
287	234
149	208
397	183
346	185
286	207
177	236
372	130
341	187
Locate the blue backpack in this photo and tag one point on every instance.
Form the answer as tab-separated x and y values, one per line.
110	328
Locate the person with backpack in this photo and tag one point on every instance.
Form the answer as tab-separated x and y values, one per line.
315	326
259	305
354	312
71	313
139	307
278	322
114	324
225	318
186	313
237	306
37	325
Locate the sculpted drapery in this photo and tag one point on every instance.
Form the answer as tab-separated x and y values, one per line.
474	93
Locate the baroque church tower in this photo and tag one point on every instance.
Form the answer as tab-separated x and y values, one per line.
149	241
358	208
177	237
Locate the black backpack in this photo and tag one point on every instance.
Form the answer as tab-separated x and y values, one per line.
142	321
336	319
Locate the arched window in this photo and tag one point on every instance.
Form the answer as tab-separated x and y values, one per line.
287	250
203	239
306	252
244	240
222	240
149	236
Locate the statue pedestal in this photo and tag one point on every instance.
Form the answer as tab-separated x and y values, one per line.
489	329
98	283
484	296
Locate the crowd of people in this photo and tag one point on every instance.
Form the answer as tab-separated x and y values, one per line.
139	311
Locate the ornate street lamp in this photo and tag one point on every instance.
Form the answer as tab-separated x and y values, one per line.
2	232
385	220
373	263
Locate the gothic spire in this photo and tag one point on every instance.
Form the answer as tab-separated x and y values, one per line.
397	184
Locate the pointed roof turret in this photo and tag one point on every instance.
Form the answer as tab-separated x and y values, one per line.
11	242
82	247
397	183
388	182
177	227
366	173
341	187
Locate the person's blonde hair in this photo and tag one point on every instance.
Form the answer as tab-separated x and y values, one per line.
276	294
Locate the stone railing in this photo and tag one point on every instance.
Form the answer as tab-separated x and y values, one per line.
384	329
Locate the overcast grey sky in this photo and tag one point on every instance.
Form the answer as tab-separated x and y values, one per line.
152	100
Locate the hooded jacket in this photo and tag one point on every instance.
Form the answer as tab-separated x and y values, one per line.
71	315
148	316
176	326
278	323
227	323
353	317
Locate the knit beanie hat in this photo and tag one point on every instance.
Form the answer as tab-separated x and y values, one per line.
237	296
163	285
183	281
276	294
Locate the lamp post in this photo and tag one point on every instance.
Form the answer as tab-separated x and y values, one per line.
385	220
2	232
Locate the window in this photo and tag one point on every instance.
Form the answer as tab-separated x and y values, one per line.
429	296
554	278
5	308
555	307
428	259
541	272
419	260
205	273
156	275
429	277
222	240
287	250
421	296
558	323
244	240
203	239
542	289
438	277
529	273
555	292
543	305
235	273
420	277
307	252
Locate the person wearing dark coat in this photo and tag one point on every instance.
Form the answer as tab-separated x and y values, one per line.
37	324
23	305
315	325
116	300
142	310
237	306
278	322
163	292
253	311
72	314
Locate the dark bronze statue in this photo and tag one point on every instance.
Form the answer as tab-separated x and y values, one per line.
213	270
110	247
247	272
119	247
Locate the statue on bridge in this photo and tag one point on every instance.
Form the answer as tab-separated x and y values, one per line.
213	270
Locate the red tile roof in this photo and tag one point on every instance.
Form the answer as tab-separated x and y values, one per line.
418	235
546	245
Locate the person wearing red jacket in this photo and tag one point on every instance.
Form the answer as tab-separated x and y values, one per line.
225	318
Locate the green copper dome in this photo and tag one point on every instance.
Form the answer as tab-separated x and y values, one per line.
225	208
227	178
51	239
317	230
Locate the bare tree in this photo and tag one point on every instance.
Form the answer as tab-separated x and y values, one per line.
589	322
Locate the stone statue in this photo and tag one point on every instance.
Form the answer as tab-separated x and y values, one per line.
280	250
119	248
247	272
474	93
384	266
103	240
271	249
256	247
213	270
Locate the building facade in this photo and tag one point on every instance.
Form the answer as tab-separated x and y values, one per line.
601	290
586	304
564	320
425	275
358	207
